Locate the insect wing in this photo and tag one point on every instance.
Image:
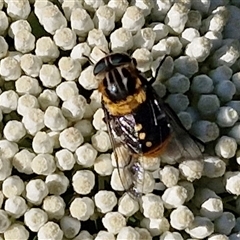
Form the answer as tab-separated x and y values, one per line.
182	144
130	171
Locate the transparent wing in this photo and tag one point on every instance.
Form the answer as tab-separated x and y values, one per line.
185	146
130	171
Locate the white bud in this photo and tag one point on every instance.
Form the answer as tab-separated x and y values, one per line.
144	38
121	40
213	167
18	10
74	107
114	222
54	119
104	235
220	74
57	183
28	85
5	221
127	206
169	176
225	223
227	54
49	75
12	186
225	86
216	21
83	181
64	159
206	131
86	155
235	132
70	68
189	187
191	169
10	69
103	165
50	230
181	218
119	8
17	26
133	19
212	208
186	65
48	98
100	141
54	206
69	6
171	235
25	102
232	180
178	102
87	79
98	121
160	29
7	149
144	233
52	19
82	208
156	227
16	231
188	35
66	90
22	161
84	126
36	191
70	226
81	22
199	48
215	38
79	50
14	130
161	48
202	84
175	46
105	201
178	83
3	43
143	58
174	197
128	233
43	164
24	41
31	64
104	19
70	138
4	24
33	120
65	38
226	147
202	232
152	206
177	17
46	49
35	218
8	101
15	206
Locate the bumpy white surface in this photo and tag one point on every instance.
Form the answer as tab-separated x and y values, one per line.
58	177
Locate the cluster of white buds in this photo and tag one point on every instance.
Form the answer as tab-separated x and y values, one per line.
54	143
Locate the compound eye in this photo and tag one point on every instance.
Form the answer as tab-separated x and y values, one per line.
99	67
120	58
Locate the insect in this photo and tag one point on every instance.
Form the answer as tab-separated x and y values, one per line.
139	123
